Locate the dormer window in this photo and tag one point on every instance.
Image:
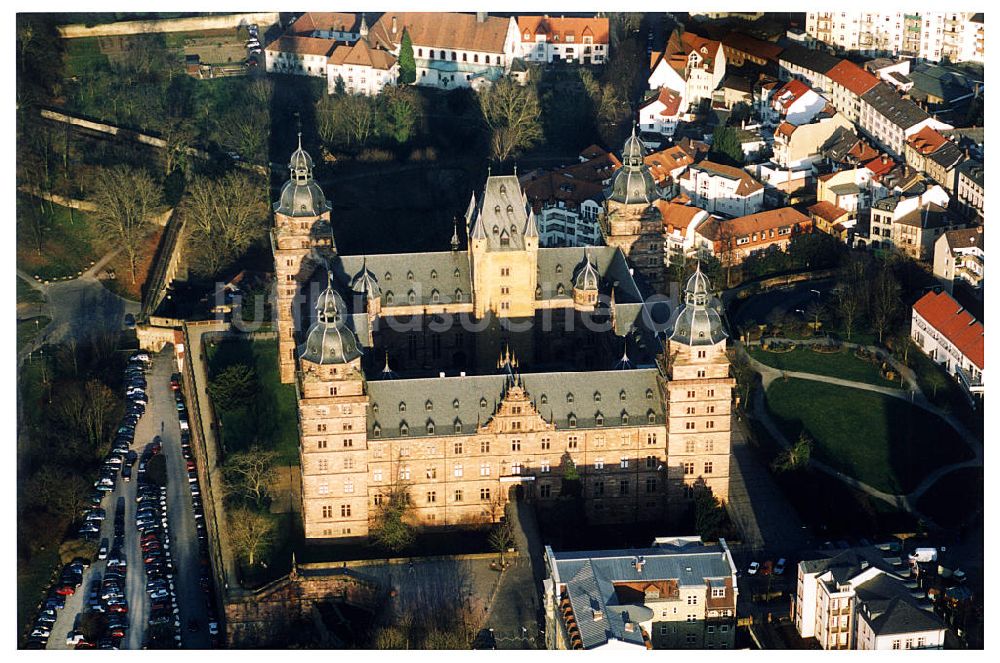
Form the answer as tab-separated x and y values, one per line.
388	276
457	273
543	399
496	210
482	402
649	394
404	429
435	297
458	294
510	209
651	417
411	297
429	406
599	419
597	397
572	421
434	274
560	290
558	268
503	188
388	298
569	397
376	431
454	403
621	395
624	418
409	276
402	406
430	427
458	426
496	228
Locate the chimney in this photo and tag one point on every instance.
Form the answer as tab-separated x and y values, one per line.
394	26
481	17
598	615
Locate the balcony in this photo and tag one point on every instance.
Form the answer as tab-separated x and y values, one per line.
971	384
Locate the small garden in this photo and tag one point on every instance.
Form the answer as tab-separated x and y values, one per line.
833	360
877	439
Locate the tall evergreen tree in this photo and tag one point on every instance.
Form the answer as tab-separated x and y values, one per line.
407	65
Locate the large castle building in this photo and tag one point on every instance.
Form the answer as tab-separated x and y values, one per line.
459	374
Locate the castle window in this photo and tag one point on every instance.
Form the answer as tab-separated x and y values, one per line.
599	419
560	290
569	397
651	417
458	429
496	210
376	431
434	274
458	294
504	240
621	395
411	297
572	421
482	402
597	397
543	399
649	394
454	403
429	406
430	427
457	273
538	292
558	269
503	188
404	429
374	408
435	296
388	298
402	406
388	276
510	210
409	276
624	418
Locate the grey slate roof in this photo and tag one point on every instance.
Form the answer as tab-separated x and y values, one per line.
503	215
807	58
846	564
965	238
477	397
947	156
930	215
840	142
973	169
589	577
558	265
441	272
891	608
900	112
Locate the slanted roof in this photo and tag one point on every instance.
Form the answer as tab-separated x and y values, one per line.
901	112
973	169
852	77
324	21
442	30
557	29
671	102
948	156
301	45
930	215
790	92
828	211
965	238
890	609
747	225
926	140
662	163
677	217
809	59
751	46
880	166
748	184
362	54
560	186
738	83
951	320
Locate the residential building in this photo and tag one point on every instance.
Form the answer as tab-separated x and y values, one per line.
948	334
848	82
631	221
889	119
690	65
721	189
465	418
566	207
763	94
960	255
830	219
969	191
668	165
361	68
845	149
741	48
929	36
910	225
679	593
550	39
848	189
872	33
338	26
736	90
807	65
450	49
798	146
732	240
680	222
973	40
661	113
305	56
795	103
854	599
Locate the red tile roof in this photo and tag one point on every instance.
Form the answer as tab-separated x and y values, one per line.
863	152
361	54
555	186
746	225
675	216
851	76
557	29
747	183
663	162
880	166
671	101
325	21
926	141
442	30
953	322
790	92
751	46
301	45
828	211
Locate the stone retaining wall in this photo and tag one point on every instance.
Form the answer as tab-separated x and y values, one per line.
190	24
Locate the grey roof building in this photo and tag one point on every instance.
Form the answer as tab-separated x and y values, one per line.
301	196
900	112
633	183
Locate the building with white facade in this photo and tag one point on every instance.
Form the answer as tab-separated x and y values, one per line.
912	224
338	26
969	188
304	56
547	39
952	337
856	599
661	113
721	189
807	65
361	69
451	50
848	82
888	119
929	36
680	225
690	65
798	146
679	593
795	103
960	255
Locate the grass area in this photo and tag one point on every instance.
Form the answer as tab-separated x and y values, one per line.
841	364
955	498
122	285
33	577
29	328
882	441
83	55
271	420
949	395
68	239
28	295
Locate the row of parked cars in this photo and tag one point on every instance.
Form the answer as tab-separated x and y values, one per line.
70	578
154	541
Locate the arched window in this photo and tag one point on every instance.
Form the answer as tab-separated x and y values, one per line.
412	297
454	56
420	52
475	57
430	54
402	406
388	297
458	294
487	59
409	276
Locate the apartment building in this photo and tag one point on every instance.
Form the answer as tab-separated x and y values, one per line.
929	36
912	225
661	113
548	39
721	189
361	68
680	222
566	206
338	26
679	593
795	103
732	240
690	65
952	337
969	189
304	56
798	146
960	255
807	65
854	599
848	82
848	189
889	119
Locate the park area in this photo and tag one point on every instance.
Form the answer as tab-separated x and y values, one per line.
267	416
53	242
882	441
841	364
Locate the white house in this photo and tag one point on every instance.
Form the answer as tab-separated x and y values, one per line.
691	65
451	50
361	68
948	334
548	39
856	599
796	103
304	56
661	113
889	119
960	255
720	189
338	26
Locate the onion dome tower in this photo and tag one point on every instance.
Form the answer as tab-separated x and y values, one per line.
329	341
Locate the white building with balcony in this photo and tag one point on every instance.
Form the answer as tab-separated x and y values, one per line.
949	335
547	39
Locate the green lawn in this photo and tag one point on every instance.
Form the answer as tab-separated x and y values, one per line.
271	420
29	328
83	55
882	441
955	498
842	364
28	295
68	239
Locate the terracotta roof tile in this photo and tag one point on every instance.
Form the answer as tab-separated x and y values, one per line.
362	54
557	29
790	92
953	322
746	225
881	165
663	162
671	101
926	141
301	45
676	216
328	21
851	76
827	211
443	30
747	184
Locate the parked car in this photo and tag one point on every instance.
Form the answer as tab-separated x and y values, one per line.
753	568
779	568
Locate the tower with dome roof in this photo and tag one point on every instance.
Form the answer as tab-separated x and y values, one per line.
301	237
631	220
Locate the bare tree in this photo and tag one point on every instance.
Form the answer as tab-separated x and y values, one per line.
179	134
250	473
850	293
126	199
251	532
359	117
726	248
510	113
225	216
88	410
885	302
501	539
329	121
